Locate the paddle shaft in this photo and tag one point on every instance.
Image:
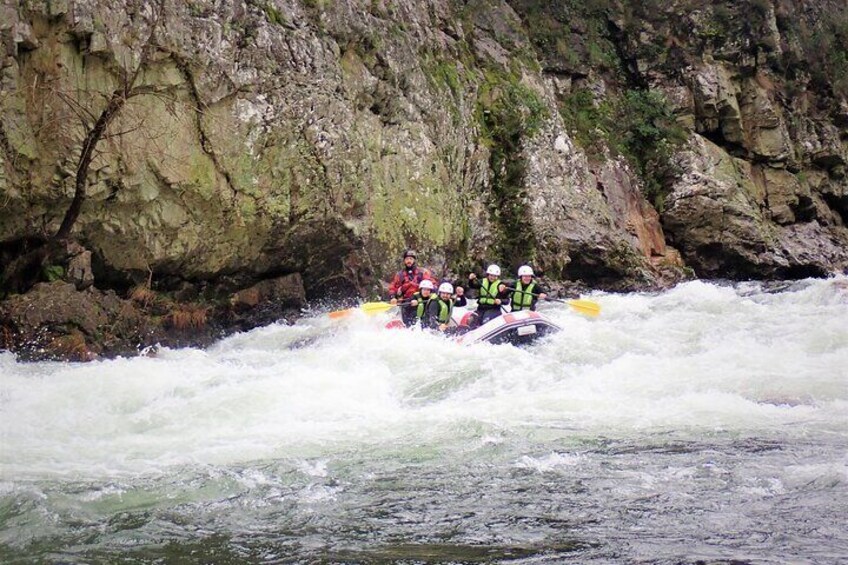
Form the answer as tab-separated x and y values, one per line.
366	307
536	295
583	306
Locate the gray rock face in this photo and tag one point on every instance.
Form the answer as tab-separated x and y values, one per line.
319	138
759	185
322	138
79	268
286	291
737	220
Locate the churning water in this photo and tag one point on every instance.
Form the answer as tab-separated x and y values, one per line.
706	424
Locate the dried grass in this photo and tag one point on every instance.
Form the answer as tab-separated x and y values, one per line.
184	317
142	295
7	338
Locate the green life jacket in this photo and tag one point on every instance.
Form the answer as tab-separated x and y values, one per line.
445	309
488	292
522	298
422	304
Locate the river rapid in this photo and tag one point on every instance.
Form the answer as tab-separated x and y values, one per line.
705	424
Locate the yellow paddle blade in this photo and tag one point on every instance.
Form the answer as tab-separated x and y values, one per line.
369	308
376	307
586	307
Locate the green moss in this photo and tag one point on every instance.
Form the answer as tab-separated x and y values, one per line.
316	4
273	14
247	209
194	9
588	120
601	54
506	107
550	27
366	46
422	211
52	273
509	112
649	137
444	76
445	73
826	49
202	175
638	125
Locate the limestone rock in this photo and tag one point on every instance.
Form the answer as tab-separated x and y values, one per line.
716	103
79	271
718	216
766	135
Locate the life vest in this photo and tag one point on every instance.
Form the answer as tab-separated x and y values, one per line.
488	292
445	310
422	304
522	298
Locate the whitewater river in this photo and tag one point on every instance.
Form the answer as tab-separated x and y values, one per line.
706	424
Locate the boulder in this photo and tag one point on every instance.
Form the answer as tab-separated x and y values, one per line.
57	321
286	291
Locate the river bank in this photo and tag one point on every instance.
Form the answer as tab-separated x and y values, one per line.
56	321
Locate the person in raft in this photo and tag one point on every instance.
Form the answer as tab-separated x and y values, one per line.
459	298
419	301
526	291
438	313
492	295
405	284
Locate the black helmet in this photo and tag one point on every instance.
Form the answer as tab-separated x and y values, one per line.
410	253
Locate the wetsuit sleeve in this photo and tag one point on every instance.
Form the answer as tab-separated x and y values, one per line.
395	285
431	315
505	295
537	289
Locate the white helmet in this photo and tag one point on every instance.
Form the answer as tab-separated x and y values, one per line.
524	270
493	270
446	287
426	283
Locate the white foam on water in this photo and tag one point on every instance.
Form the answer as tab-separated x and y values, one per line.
699	358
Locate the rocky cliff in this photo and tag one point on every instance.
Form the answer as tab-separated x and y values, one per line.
261	138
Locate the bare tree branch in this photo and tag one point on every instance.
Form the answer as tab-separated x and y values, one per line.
126	90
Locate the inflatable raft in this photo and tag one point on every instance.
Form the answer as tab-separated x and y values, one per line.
517	328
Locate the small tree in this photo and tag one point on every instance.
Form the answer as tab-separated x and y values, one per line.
22	273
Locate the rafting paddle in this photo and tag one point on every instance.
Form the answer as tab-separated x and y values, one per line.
586	307
369	308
